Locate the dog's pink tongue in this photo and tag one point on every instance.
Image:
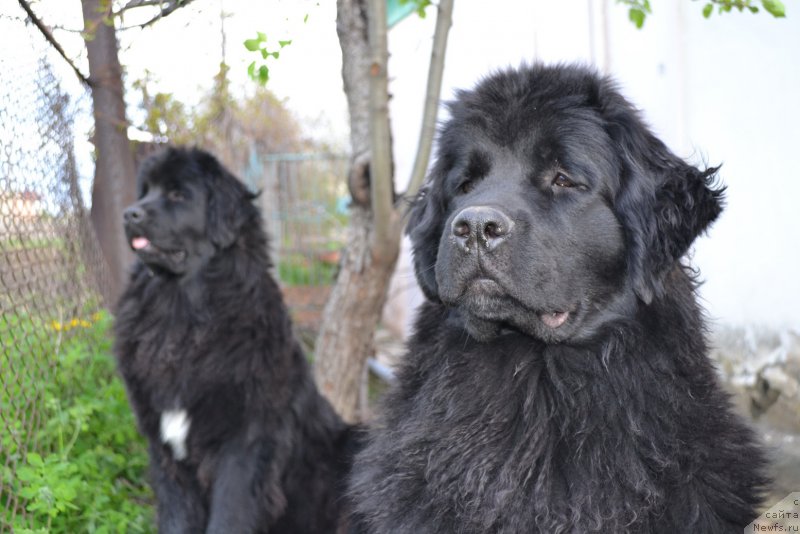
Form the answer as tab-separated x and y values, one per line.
555	319
138	243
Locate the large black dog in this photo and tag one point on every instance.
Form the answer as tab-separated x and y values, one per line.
240	439
558	379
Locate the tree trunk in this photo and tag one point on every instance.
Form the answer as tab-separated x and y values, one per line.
115	175
351	316
354	308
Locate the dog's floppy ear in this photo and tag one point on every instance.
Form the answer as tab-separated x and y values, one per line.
664	203
425	229
229	201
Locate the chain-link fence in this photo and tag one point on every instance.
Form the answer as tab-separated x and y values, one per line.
50	268
304	200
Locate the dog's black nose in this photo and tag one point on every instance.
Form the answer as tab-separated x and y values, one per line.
481	225
133	214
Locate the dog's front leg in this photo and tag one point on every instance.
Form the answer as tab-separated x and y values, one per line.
180	505
246	495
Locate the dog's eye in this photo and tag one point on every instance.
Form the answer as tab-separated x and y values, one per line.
561	180
466	186
175	196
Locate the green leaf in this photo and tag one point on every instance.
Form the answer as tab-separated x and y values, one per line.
637	16
26	474
28	493
35	459
753	9
774	7
262	36
67	493
265	53
252	44
263	74
707	10
285	43
305	19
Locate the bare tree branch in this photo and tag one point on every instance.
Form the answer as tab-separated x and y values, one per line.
140	3
62	28
381	182
444	20
50	39
167	8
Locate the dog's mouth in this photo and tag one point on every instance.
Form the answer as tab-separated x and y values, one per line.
140	243
554	319
144	247
486	298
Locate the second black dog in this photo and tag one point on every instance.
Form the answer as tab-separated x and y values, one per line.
240	439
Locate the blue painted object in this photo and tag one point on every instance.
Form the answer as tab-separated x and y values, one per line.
397	10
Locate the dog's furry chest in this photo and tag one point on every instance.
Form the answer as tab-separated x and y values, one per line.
168	364
167	383
181	405
170	370
478	427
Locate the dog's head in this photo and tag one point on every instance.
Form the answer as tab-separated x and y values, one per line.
551	204
189	207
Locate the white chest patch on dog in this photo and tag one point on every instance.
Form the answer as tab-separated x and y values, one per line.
174	429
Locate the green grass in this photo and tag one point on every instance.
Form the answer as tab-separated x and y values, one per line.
86	472
300	270
16	243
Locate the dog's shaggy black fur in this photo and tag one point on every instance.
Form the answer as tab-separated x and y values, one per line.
240	439
558	379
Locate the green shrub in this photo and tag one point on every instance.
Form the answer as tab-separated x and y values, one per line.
302	270
87	472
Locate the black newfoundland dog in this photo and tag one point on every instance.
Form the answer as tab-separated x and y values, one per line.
240	439
558	380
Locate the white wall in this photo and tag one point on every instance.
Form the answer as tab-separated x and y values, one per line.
722	90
